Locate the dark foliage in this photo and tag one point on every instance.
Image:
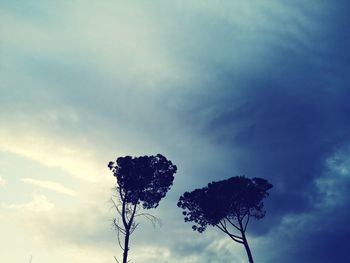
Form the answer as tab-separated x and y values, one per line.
141	181
227	205
231	199
144	179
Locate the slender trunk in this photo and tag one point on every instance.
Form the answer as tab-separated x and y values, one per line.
247	249
245	241
126	246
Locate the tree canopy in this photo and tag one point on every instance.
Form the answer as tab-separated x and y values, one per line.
227	205
141	182
144	179
233	198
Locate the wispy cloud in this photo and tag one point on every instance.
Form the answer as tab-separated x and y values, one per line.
54	186
50	227
39	203
52	151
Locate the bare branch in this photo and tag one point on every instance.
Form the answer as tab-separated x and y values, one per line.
116	206
223	224
119	241
131	224
232	224
119	189
241	225
134	226
223	230
246	223
119	230
153	219
117	227
233	237
123	215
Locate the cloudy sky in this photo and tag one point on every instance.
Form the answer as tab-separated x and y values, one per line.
220	87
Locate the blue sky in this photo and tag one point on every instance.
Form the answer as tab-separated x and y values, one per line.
221	88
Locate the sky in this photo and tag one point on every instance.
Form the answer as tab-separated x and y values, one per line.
221	88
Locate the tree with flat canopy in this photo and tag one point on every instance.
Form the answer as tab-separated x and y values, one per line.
228	205
141	183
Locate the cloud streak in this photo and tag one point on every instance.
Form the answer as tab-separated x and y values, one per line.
51	151
38	204
50	185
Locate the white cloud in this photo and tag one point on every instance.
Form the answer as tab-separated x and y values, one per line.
333	184
72	235
340	162
86	225
52	151
39	203
54	186
3	182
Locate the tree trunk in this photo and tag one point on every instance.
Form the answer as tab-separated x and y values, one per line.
247	249
126	246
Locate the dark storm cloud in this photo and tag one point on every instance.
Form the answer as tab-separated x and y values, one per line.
283	120
326	240
318	235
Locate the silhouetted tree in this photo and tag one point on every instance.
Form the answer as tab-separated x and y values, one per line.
141	183
227	205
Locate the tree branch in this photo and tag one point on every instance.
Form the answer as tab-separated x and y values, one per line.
116	207
232	224
119	230
241	225
246	223
153	219
222	229
133	227
118	236
233	237
223	225
132	215
120	193
123	214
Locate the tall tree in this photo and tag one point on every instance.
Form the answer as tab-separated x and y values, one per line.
141	183
227	205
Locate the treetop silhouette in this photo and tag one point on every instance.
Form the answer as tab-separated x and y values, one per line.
141	182
227	205
144	179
